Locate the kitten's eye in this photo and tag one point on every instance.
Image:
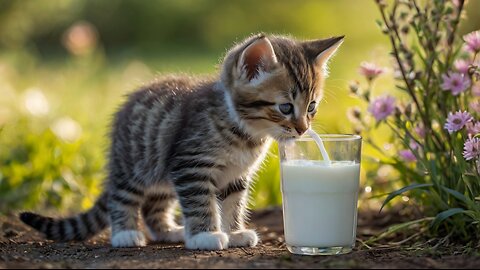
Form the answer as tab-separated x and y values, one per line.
286	108
312	106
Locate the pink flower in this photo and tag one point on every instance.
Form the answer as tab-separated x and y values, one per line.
472	41
475	106
471	148
81	38
407	155
414	145
473	128
382	107
476	89
462	65
457	121
370	70
455	82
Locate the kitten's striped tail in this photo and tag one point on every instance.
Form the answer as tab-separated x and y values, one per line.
79	227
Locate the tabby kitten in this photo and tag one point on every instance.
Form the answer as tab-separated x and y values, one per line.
198	142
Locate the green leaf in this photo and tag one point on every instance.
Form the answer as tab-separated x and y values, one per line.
456	194
403	190
407	224
446	214
475	215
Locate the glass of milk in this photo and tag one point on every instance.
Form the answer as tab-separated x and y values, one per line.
320	194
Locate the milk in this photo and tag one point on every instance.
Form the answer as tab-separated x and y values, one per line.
320	145
320	202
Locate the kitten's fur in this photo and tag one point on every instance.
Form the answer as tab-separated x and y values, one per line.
198	141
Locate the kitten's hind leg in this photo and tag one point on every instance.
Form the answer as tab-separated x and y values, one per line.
158	214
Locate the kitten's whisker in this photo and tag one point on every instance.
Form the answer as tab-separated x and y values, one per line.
319	127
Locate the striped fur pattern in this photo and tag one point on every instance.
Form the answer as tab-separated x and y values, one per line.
196	142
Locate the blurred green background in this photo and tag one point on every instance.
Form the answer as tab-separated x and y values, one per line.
66	65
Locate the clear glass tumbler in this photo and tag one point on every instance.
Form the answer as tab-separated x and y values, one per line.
320	198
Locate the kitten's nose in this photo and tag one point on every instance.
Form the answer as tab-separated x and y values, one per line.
301	130
301	125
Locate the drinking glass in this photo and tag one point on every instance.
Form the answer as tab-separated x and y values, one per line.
320	196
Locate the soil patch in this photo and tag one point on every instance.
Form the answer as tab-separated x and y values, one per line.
21	247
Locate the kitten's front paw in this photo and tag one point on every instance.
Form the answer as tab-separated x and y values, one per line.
173	235
243	238
207	241
129	239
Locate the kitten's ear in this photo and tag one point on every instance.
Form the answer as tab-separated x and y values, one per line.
257	58
320	51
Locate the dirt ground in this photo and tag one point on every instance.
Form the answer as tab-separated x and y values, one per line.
21	247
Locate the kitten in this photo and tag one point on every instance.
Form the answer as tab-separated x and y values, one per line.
198	142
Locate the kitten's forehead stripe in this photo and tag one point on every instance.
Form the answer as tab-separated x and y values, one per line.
313	81
296	80
301	71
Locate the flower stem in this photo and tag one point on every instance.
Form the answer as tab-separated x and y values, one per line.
451	37
410	88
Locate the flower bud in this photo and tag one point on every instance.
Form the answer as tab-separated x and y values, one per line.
381	3
357	112
353	86
358	130
411	75
354	114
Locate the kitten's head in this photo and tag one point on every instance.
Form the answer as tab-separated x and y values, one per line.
276	83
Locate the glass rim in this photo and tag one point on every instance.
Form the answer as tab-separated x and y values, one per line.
332	137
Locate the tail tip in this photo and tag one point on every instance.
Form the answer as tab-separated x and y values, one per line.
28	217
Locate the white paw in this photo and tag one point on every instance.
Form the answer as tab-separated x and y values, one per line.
129	239
173	235
243	238
207	241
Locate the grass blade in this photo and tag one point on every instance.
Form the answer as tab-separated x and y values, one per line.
446	214
394	194
396	228
459	196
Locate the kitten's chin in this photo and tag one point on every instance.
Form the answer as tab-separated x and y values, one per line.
283	138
